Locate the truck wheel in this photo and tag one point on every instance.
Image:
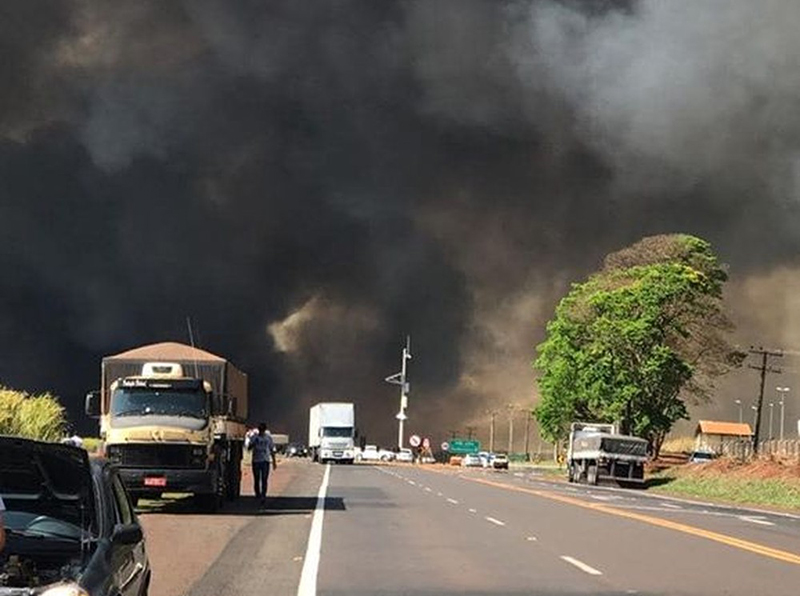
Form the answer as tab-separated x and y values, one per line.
591	474
571	473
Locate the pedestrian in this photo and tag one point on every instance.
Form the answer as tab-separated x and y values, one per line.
263	449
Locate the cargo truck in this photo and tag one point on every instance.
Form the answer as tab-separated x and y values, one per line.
596	452
173	418
331	432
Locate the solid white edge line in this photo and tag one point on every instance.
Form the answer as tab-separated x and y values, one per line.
581	565
496	522
308	578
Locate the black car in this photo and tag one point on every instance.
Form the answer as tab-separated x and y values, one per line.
70	527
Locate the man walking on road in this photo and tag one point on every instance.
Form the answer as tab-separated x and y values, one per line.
260	443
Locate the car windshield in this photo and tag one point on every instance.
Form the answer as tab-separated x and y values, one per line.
151	402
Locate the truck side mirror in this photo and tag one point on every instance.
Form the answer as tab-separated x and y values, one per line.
92	404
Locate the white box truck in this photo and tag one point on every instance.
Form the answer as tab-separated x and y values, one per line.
331	428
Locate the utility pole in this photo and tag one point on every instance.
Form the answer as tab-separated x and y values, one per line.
528	417
405	388
493	415
764	368
783	391
738	402
511	408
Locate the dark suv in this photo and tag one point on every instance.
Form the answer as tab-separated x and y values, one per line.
70	527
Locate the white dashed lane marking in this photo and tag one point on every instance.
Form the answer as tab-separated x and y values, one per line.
496	522
581	565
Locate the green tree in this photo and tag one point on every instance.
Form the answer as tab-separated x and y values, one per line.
32	416
637	341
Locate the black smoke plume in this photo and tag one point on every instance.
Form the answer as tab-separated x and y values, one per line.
312	181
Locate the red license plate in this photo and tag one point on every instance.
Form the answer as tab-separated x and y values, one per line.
155	481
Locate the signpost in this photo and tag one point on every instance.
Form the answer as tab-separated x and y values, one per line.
414	441
446	445
464	446
426	443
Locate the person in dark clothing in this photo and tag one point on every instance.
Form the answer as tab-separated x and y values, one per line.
263	449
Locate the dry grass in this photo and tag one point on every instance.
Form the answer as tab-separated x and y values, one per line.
678	445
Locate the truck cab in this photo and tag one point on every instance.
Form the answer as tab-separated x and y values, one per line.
168	432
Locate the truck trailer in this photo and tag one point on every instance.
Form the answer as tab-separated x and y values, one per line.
173	419
331	431
596	452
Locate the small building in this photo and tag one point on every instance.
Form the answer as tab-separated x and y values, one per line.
717	437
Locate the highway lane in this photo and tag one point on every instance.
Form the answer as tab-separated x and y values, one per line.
632	554
393	537
421	530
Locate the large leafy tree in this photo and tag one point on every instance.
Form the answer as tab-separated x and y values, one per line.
637	341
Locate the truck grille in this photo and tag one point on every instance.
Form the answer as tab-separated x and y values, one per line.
154	456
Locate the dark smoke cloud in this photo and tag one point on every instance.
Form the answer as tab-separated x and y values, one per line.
312	181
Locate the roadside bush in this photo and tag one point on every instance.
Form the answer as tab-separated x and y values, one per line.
39	416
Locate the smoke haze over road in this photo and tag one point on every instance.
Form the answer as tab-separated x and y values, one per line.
310	182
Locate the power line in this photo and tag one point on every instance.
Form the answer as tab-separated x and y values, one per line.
763	368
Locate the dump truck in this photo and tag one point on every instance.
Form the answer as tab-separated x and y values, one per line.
173	418
597	452
331	432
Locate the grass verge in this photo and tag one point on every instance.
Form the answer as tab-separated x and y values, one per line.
781	493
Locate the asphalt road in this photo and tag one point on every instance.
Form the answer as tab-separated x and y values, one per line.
407	530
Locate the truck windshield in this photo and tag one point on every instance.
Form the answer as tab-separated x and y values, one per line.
152	402
337	431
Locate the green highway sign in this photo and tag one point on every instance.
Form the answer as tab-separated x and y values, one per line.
464	446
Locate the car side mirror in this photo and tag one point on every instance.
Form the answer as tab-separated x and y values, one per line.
127	534
92	404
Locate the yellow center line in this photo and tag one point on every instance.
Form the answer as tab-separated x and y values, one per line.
752	547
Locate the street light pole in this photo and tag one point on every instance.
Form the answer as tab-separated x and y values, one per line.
400	379
755	414
738	402
771	410
783	391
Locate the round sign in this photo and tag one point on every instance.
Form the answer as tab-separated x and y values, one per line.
445	446
414	440
426	443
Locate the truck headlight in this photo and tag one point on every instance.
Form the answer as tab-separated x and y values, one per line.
114	453
65	589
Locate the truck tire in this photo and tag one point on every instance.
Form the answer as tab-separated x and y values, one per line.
591	474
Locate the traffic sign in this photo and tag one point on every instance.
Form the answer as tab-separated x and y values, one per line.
414	440
426	443
465	446
446	445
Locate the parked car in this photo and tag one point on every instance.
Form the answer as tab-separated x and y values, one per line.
471	460
405	456
70	524
455	460
486	458
500	461
699	457
386	455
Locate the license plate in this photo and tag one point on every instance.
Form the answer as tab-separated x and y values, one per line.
338	453
155	481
